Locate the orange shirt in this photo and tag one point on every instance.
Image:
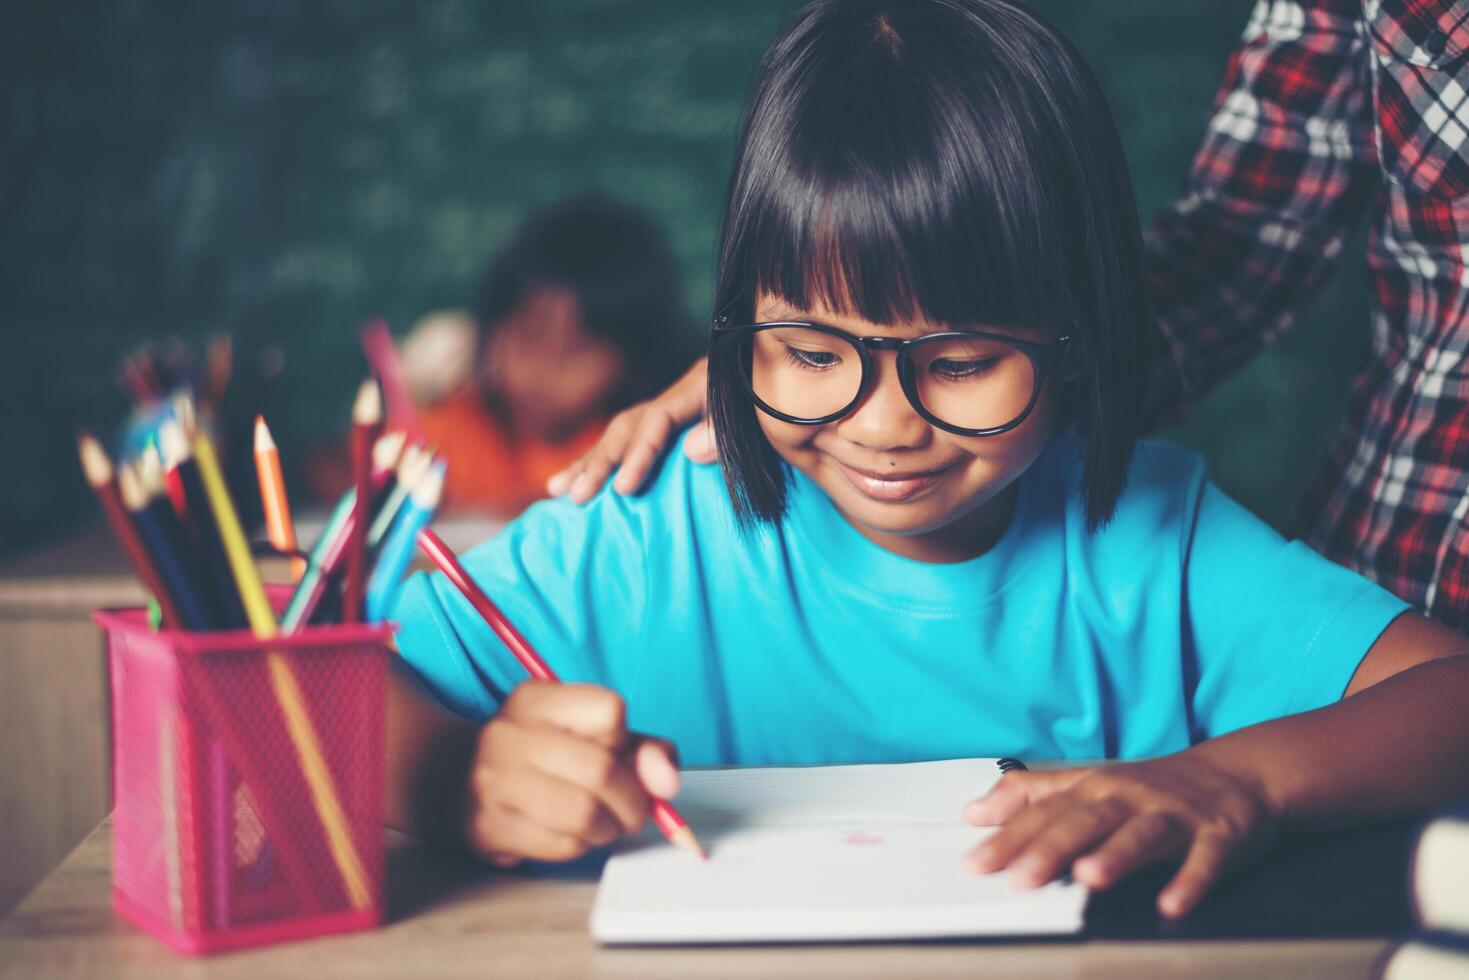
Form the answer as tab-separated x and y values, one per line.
490	468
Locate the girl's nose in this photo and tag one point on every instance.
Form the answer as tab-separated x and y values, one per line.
884	419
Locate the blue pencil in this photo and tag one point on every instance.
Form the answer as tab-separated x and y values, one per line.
401	542
158	527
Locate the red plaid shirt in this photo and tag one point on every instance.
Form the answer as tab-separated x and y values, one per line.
1329	107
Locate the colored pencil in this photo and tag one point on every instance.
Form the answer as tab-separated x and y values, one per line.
99	473
277	506
146	365
397	550
382	356
130	379
331	546
219	361
668	820
324	796
367	416
158	528
415	462
141	488
176	436
176	493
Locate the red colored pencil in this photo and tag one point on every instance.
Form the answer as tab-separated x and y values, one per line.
99	473
330	549
382	356
367	416
673	825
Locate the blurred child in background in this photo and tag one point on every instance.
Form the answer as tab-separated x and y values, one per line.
579	315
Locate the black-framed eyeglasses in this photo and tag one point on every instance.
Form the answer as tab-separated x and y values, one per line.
970	383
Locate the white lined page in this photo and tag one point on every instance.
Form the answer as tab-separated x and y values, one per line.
824	853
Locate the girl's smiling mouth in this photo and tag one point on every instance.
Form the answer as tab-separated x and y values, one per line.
892	487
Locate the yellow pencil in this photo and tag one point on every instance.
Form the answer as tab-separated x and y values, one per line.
263	624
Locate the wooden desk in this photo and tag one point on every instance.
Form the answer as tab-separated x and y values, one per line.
55	782
450	919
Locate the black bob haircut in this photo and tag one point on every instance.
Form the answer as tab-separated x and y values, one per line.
618	262
950	158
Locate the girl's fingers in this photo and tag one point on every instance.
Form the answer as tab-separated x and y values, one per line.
1207	858
1145	838
505	835
1011	839
1016	790
656	762
1071	833
559	806
599	770
596	712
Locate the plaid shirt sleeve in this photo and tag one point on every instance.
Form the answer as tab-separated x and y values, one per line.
1285	169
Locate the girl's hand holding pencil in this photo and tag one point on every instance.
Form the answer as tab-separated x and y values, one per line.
611	736
556	773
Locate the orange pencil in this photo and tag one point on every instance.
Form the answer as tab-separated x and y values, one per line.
669	821
367	416
277	506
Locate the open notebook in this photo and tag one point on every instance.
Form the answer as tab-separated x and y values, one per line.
823	853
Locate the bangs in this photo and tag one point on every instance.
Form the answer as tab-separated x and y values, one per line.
903	185
948	161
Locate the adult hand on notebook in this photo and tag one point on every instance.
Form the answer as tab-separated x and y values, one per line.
1107	822
556	772
637	438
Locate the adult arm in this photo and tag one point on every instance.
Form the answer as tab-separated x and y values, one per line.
1286	167
637	438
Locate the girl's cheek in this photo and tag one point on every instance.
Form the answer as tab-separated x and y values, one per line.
788	440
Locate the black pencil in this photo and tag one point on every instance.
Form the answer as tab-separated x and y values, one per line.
223	594
157	526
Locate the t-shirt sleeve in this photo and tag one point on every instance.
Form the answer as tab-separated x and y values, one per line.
570	578
1275	628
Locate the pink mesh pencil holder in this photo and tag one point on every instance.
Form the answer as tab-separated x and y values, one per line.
247	780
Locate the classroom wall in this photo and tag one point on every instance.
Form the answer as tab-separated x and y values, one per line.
284	170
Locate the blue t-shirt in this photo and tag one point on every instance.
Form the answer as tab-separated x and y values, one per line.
1184	618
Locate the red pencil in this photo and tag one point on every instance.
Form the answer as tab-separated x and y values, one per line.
665	816
98	470
382	356
367	416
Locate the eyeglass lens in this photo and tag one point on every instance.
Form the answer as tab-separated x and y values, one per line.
969	382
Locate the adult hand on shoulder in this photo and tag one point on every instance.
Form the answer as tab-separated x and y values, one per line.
637	437
556	772
1107	822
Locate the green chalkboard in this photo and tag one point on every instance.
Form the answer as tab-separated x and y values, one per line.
284	170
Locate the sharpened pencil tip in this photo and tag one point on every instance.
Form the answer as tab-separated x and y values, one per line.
95	464
684	837
388	450
368	408
263	441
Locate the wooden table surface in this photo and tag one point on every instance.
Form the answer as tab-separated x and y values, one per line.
448	918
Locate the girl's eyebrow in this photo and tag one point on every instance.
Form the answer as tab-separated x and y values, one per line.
780	311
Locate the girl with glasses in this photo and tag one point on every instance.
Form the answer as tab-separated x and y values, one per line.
934	533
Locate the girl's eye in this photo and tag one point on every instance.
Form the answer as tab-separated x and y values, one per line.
811	358
951	369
